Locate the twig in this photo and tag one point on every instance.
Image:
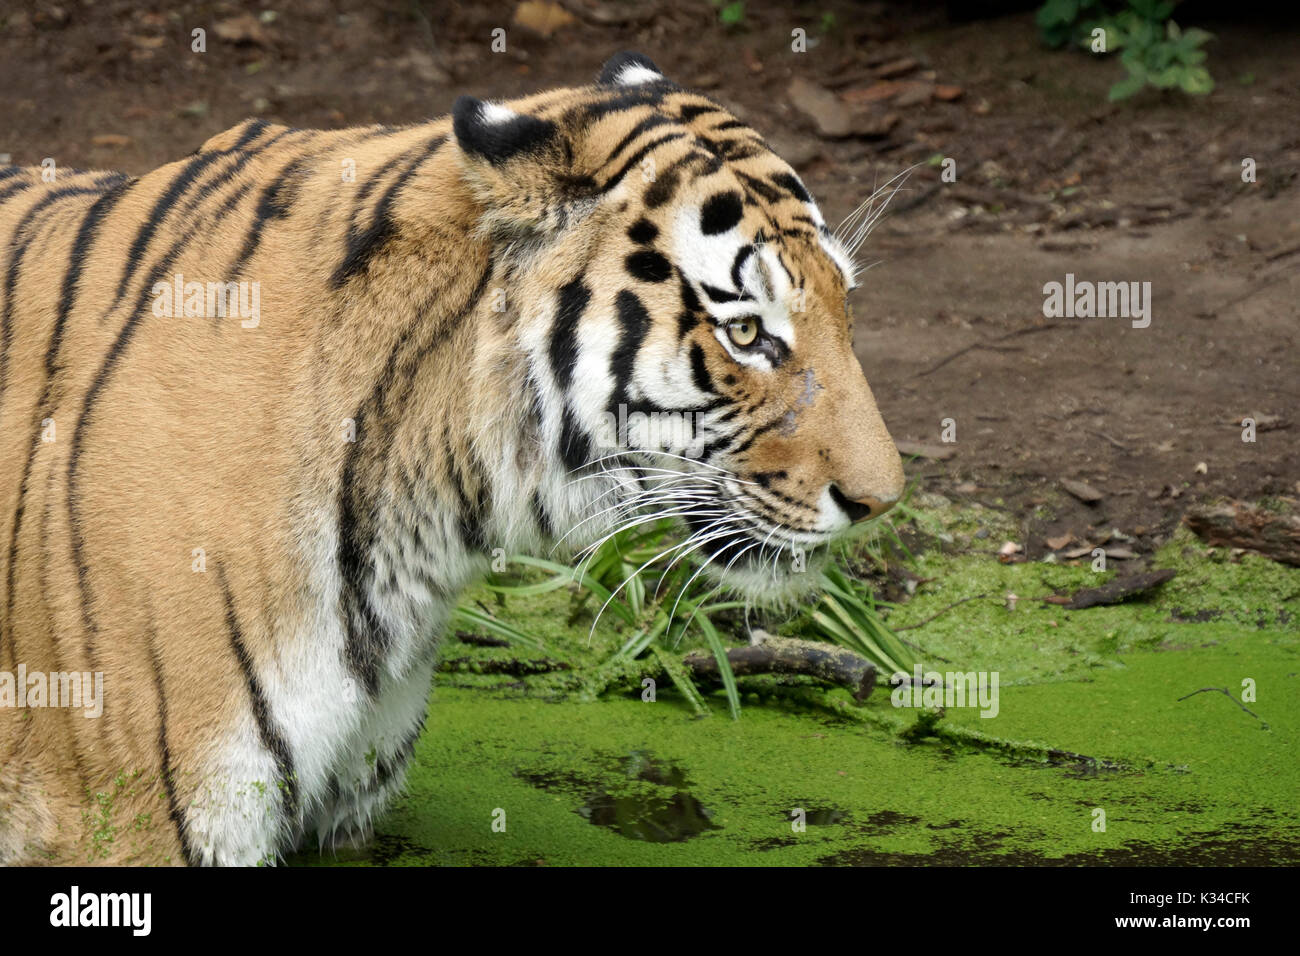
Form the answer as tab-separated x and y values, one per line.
921	650
989	344
1118	444
1254	290
908	627
1224	692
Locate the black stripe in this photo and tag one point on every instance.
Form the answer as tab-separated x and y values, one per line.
230	172
742	255
575	448
542	516
662	189
770	193
700	371
744	445
174	810
273	204
390	768
267	731
790	183
360	484
686	323
364	245
573	300
9	171
722	295
106	369
636	157
21	244
168	200
13	189
76	260
693	110
625	98
649	123
634	323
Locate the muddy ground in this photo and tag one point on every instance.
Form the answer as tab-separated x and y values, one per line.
1051	179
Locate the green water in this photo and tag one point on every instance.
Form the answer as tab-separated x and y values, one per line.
512	771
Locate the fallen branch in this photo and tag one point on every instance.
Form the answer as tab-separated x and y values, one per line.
1239	525
1114	591
1225	693
782	655
513	666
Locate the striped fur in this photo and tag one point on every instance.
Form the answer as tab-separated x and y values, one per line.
441	340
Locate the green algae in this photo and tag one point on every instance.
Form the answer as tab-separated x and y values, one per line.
1098	720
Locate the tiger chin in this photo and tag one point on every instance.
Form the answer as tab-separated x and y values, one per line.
266	411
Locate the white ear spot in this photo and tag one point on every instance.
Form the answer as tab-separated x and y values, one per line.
634	74
497	114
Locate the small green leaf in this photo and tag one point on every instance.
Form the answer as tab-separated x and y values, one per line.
1197	81
1126	87
733	14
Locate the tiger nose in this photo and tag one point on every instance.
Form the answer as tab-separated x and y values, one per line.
861	509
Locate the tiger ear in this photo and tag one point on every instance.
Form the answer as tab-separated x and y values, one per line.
629	69
519	167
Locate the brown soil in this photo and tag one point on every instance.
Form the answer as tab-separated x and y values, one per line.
1050	180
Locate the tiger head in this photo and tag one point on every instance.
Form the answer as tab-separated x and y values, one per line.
693	354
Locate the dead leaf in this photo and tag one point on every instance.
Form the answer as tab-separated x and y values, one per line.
1077	552
896	67
542	16
872	94
1081	490
116	140
914	93
823	107
1056	544
873	125
1201	468
244	28
948	93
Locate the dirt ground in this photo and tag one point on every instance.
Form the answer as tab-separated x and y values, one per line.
1051	179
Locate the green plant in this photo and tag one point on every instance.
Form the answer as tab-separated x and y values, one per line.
643	576
1153	49
730	12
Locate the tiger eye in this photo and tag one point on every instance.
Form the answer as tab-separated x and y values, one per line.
743	332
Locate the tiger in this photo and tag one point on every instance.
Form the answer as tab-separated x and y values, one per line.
439	343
